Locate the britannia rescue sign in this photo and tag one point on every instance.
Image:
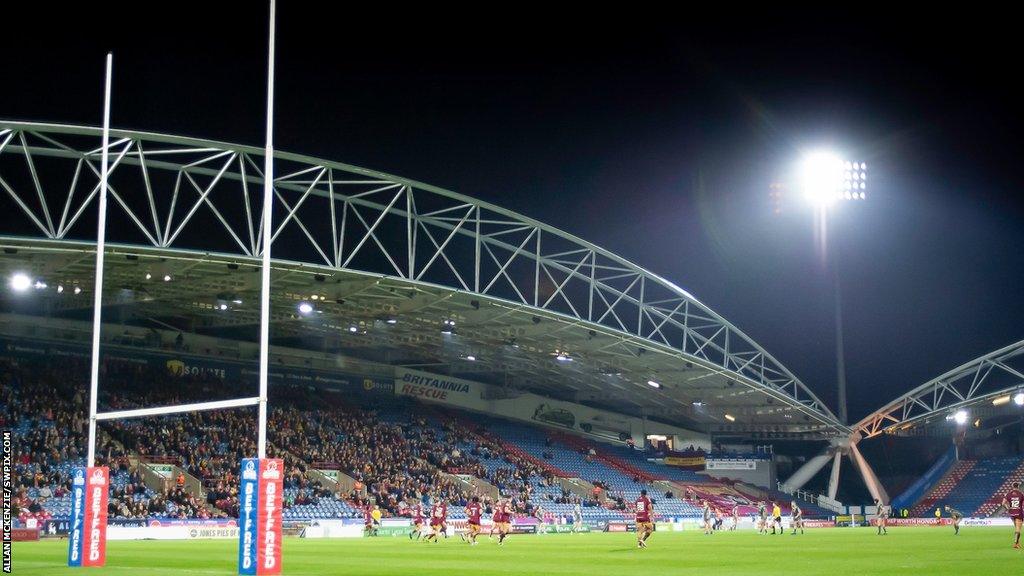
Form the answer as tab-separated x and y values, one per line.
437	388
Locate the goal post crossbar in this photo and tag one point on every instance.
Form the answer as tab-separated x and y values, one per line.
163	410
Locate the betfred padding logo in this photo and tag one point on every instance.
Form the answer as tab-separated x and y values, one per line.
260	515
87	538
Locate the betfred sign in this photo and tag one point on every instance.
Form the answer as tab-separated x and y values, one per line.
87	537
260	516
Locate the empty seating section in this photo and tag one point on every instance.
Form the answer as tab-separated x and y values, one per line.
942	488
996	499
981	488
622	488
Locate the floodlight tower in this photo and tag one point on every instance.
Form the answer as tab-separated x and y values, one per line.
826	180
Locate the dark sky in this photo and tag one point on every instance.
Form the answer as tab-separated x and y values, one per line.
654	135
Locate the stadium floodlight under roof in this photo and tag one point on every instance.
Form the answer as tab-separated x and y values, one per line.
20	282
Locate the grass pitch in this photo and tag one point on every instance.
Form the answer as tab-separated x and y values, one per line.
919	551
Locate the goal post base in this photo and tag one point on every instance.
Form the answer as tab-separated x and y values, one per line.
260	515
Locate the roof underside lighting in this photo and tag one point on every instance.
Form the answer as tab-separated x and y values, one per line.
20	282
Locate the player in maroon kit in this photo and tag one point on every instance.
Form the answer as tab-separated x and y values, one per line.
1014	502
368	520
495	518
438	520
473	512
417	521
503	518
644	524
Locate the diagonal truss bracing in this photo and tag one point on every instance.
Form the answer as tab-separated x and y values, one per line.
177	192
995	374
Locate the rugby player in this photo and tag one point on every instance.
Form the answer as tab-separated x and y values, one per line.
735	517
473	512
538	514
1014	503
708	518
438	520
797	517
503	518
957	516
417	521
762	518
577	517
883	518
368	520
644	519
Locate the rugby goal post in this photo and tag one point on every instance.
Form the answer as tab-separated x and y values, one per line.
261	478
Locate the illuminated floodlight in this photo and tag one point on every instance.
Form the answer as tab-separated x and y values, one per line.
653	384
1018	399
39	285
20	282
78	290
305	308
730	417
60	288
471	358
236	301
563	357
825	179
353	329
448	327
167	277
149	276
960	417
222	307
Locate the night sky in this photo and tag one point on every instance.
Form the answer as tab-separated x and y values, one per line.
654	135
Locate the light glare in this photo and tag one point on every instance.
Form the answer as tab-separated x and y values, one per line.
825	179
960	417
821	178
20	282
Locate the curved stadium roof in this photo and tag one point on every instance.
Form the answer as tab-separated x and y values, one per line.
375	247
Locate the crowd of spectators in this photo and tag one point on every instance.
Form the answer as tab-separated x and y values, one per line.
392	460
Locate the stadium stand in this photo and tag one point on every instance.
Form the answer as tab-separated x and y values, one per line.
943	488
394	454
995	500
980	484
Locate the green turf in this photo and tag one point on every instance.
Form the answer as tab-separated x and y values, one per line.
832	551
